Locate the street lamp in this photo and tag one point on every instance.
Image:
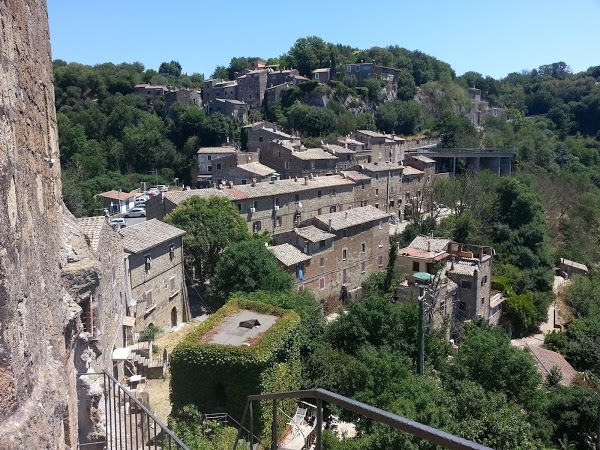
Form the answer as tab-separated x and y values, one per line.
423	280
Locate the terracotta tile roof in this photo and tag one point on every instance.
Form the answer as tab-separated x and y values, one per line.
278	187
408	170
356	176
145	235
547	359
257	168
177	197
313	234
116	195
92	227
313	153
213	150
431	244
288	255
352	217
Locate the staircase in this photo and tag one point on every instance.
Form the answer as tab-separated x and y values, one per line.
147	364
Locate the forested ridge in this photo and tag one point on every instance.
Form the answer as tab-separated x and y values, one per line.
111	138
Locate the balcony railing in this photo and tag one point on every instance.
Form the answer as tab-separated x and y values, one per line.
433	435
129	423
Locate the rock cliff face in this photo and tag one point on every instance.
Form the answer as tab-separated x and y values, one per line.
37	400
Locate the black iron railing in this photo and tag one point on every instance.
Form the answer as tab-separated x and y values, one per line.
425	432
129	423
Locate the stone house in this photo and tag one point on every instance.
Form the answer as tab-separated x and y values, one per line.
385	186
155	280
206	160
281	205
293	160
274	93
335	253
229	170
219	88
154	91
569	268
362	71
235	109
278	77
362	190
187	97
251	87
413	185
159	206
462	284
322	75
344	154
258	134
383	147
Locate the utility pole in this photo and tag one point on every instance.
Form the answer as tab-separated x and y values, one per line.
423	281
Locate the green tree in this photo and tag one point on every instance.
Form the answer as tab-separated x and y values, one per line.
211	225
309	53
172	68
247	266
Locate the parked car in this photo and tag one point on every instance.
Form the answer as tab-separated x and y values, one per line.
135	212
141	200
117	222
152	191
162	187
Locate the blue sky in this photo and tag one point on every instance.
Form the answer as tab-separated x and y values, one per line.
493	37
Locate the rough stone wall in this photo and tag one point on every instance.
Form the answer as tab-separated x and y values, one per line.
37	404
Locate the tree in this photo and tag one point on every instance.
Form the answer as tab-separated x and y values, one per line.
211	225
309	53
247	266
172	68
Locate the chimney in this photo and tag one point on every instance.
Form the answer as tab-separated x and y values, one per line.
305	181
428	245
253	181
330	225
296	179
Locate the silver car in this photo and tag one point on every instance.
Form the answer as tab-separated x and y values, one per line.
135	212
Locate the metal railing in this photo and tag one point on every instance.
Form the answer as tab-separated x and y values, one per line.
129	423
416	429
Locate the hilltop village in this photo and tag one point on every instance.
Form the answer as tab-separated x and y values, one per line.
265	258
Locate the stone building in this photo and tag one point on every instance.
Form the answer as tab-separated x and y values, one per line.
385	188
235	109
332	254
281	205
291	159
218	88
187	97
154	91
362	71
383	147
345	155
256	135
241	169
155	279
322	75
251	87
117	202
206	161
159	206
274	93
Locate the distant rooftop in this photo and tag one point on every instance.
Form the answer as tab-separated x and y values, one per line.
178	196
408	170
229	331
215	150
118	195
313	153
431	244
257	168
382	166
288	255
355	176
355	216
337	149
313	234
143	236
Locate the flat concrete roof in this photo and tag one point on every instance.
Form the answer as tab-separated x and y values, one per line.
229	332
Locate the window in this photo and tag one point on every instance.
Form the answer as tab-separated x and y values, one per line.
377	176
482	300
255	204
333	209
344	233
362	203
172	285
239	205
322	244
465	284
443	305
321	262
244	181
276	201
278	221
376	191
219	166
316	75
321	283
363	247
344	254
286	164
297	198
171	251
377	205
149	299
147	262
415	266
380	260
256	226
209	157
210	168
484	280
362	227
260	139
363	185
297	218
363	267
87	315
318	194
